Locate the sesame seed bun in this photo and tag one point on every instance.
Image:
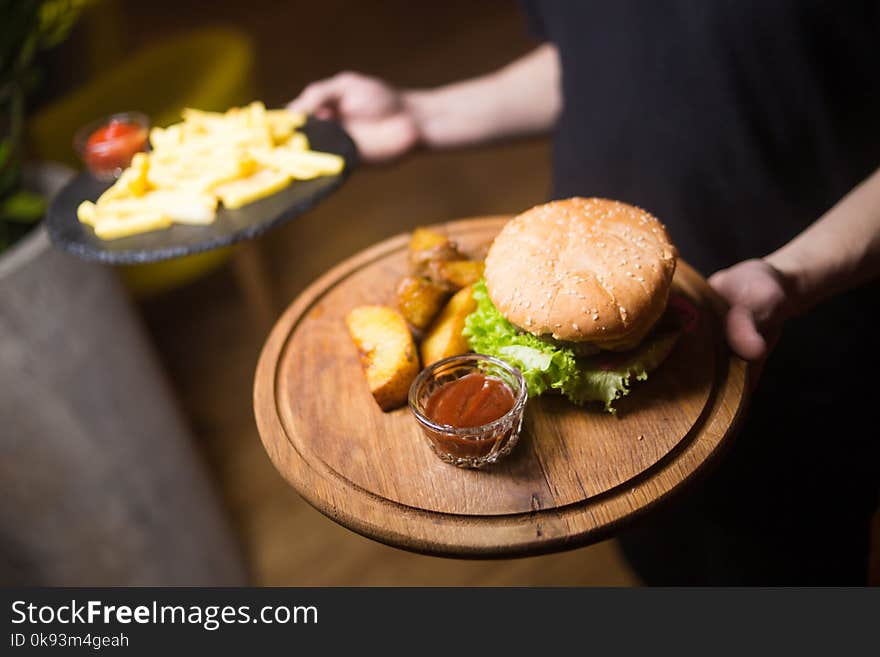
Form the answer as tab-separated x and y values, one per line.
582	270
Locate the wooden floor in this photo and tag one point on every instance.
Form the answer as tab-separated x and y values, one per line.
209	338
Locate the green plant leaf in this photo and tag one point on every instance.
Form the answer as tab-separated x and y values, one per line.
23	207
10	177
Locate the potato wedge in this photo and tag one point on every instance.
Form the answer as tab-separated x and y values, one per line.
424	239
460	273
419	300
428	250
444	338
388	353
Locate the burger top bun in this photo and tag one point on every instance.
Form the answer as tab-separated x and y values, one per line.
582	270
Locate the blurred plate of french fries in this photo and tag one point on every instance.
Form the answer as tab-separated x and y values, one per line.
211	180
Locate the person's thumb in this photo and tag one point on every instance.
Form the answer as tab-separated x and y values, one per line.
384	140
743	335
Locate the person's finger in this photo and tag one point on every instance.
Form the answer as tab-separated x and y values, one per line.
326	113
717	280
324	93
743	335
314	97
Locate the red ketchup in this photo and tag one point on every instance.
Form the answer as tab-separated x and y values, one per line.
109	149
471	401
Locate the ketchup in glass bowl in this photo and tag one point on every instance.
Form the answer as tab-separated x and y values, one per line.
470	408
106	146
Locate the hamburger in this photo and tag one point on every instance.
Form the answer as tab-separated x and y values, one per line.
575	294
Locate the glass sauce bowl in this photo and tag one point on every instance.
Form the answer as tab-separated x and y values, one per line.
470	446
107	145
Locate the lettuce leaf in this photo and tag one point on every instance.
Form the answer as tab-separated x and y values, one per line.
602	378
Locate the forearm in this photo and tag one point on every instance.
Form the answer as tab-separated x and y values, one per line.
839	251
520	99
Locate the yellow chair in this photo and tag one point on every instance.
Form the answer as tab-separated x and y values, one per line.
209	69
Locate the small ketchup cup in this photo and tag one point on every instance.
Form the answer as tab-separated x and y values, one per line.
469	446
107	145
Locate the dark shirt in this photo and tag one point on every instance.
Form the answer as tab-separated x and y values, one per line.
738	123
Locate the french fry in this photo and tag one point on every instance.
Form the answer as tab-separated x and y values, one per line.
264	182
164	138
299	164
132	182
201	174
297	142
115	226
183	207
87	212
282	124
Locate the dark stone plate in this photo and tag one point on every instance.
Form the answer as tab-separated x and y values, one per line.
229	227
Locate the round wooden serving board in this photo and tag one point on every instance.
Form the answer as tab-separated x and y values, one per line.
576	474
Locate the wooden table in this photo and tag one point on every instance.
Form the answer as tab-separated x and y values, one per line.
576	476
